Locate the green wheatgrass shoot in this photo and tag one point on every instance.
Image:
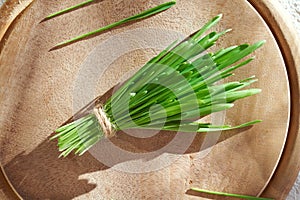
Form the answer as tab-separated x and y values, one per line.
240	196
184	80
68	9
142	15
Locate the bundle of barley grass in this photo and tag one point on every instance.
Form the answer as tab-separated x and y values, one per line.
171	92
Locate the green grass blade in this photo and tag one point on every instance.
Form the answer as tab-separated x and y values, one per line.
207	26
212	129
232	96
229	194
144	14
242	51
132	81
192	127
67	10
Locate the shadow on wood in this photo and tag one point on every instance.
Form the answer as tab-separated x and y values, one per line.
48	177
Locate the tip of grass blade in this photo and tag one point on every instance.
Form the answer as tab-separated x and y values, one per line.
259	44
218	17
62	155
262	42
248	79
57	134
254	91
66	10
173	2
241	196
207	26
246	124
228	30
251	123
54	136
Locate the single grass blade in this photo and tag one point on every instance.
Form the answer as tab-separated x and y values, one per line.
229	194
207	26
142	15
67	10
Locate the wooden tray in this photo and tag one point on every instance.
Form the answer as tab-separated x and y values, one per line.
38	93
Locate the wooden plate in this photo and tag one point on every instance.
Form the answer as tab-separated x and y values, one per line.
40	90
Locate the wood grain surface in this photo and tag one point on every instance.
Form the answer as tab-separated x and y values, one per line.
286	37
9	11
41	89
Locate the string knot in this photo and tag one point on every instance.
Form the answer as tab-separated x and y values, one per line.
104	122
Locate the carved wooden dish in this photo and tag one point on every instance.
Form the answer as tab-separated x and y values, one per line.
41	89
